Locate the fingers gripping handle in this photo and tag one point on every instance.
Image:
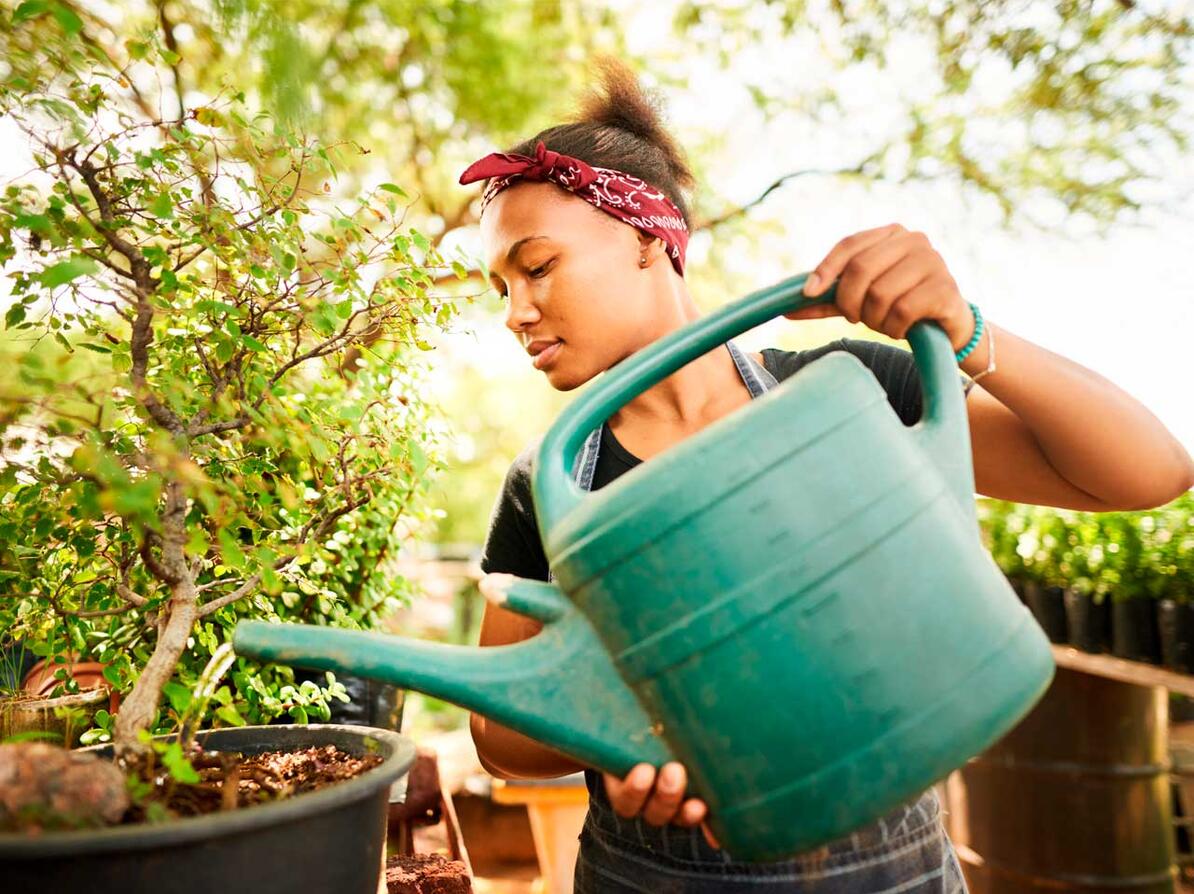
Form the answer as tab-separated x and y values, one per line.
530	598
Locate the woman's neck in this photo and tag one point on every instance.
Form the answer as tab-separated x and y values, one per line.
694	395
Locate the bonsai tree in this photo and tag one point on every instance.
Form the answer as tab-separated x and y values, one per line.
182	440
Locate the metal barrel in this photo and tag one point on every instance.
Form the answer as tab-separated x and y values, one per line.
1075	799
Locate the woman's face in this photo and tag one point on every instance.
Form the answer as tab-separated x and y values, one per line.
576	296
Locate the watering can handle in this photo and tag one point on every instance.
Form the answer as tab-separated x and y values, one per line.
942	429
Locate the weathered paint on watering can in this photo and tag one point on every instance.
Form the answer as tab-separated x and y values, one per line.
794	602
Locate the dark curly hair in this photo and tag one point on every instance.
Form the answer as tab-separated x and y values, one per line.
619	126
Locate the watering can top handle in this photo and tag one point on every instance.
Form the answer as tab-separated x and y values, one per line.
556	493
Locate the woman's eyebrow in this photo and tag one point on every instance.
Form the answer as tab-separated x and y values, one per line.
514	249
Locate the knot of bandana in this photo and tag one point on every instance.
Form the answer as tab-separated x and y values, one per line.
621	195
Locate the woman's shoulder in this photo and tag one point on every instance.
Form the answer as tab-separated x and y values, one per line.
512	543
893	367
522	468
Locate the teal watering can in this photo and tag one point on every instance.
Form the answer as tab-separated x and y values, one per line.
794	602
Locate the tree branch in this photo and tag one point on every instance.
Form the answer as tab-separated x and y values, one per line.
172	46
709	224
214	427
151	562
251	583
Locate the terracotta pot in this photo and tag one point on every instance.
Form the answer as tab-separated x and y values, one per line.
88	674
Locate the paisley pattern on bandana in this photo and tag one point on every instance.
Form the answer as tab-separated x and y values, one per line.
630	199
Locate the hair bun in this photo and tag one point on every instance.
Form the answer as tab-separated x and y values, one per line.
620	102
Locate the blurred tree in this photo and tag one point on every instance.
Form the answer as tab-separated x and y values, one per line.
423	86
1084	101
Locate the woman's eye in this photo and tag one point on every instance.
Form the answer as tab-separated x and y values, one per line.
538	271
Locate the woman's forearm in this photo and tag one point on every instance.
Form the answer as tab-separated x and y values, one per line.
510	755
1096	436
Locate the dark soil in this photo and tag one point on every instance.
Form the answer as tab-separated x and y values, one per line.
426	874
257	778
44	787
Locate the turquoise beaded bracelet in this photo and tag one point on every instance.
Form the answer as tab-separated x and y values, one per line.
974	339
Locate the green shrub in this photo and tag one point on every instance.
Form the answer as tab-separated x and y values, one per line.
1116	555
210	407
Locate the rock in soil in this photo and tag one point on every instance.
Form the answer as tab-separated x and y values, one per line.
426	874
46	787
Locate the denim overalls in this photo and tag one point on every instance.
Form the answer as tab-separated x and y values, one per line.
905	851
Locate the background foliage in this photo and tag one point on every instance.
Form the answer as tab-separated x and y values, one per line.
1107	555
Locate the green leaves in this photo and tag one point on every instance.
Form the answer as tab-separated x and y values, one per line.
66	271
178	765
30	9
246	353
179	696
162	205
1116	555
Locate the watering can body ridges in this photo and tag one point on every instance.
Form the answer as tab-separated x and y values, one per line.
794	602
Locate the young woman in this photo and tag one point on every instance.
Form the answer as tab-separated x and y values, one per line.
584	228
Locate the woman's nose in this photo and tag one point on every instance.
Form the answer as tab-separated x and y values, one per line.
520	313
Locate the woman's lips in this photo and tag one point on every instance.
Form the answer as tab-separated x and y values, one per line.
547	355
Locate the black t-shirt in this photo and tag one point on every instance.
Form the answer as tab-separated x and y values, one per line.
513	546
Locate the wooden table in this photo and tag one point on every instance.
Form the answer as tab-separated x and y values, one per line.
556	808
1125	671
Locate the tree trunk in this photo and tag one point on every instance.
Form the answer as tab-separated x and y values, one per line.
136	711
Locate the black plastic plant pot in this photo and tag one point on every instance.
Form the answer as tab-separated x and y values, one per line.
1134	633
329	840
1175	621
1047	605
1089	622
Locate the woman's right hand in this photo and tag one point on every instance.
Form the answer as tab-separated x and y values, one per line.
658	797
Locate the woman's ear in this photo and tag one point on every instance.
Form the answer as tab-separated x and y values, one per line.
649	247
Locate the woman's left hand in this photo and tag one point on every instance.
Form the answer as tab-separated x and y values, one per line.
889	278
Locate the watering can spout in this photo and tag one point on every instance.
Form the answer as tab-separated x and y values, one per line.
559	687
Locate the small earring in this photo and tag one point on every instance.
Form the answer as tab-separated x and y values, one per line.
642	262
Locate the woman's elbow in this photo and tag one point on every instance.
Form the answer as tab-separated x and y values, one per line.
476	725
1163	496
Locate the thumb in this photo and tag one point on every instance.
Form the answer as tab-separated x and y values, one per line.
494	586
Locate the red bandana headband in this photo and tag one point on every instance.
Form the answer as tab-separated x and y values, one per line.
627	198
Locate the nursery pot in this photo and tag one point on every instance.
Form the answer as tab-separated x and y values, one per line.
1134	633
1175	621
328	840
36	715
1089	622
40	679
1047	605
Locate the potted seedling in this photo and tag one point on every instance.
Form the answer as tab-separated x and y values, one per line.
1172	557
1001	524
1044	593
1088	611
1117	554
